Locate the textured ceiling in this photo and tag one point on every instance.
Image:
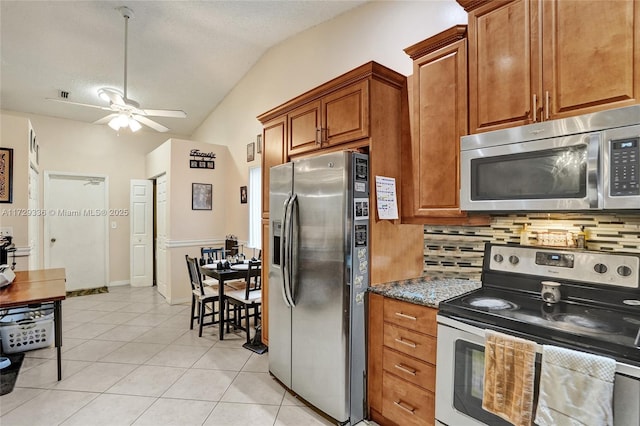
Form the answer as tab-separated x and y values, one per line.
182	54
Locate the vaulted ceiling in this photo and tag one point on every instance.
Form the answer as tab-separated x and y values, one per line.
184	55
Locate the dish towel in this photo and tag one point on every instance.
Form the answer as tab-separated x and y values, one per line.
576	388
509	375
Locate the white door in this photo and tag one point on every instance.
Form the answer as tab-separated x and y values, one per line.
76	228
161	234
141	226
33	227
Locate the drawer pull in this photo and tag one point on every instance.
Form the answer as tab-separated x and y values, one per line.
409	409
407	342
405	316
405	369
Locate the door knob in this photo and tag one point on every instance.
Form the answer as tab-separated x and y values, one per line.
53	240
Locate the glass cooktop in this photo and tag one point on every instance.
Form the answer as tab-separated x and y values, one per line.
583	326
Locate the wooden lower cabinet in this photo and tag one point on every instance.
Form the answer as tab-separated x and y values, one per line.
401	362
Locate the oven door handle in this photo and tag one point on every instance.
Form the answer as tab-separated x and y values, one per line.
593	171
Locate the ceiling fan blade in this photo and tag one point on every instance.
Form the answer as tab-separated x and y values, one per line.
173	113
105	120
79	104
150	123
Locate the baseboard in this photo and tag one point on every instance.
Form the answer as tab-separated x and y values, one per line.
118	283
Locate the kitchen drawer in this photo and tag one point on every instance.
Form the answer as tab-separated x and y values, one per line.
411	316
410	369
406	404
409	342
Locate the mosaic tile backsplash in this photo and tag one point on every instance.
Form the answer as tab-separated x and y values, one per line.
457	251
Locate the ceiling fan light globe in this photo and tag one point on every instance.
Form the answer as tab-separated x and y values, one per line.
123	120
134	125
114	123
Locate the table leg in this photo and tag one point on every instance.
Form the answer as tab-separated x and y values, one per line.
57	319
221	307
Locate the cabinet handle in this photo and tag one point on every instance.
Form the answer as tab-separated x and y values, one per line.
318	136
409	409
407	342
405	316
324	135
535	108
546	105
406	369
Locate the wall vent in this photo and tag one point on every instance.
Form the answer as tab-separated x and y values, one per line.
63	94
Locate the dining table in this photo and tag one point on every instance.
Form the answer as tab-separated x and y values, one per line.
34	288
233	272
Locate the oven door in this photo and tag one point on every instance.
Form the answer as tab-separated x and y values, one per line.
460	377
548	174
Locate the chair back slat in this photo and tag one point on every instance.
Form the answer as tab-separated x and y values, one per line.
194	274
253	278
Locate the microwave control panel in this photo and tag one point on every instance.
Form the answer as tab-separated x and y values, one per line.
625	167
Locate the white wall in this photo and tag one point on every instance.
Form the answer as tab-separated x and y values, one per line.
377	31
72	146
187	229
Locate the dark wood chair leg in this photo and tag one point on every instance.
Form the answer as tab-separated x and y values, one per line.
193	310
248	323
201	318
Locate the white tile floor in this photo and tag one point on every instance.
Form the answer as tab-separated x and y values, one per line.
129	358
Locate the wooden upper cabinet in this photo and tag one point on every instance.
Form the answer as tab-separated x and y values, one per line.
431	186
536	60
338	117
591	57
274	136
304	128
345	114
502	79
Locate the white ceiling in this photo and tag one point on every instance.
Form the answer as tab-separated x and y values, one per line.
182	54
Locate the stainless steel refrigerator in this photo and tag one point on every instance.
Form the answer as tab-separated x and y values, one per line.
318	276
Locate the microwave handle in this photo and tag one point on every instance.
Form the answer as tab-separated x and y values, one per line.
593	169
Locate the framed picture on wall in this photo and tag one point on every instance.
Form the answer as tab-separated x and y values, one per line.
201	196
258	144
251	147
6	175
243	195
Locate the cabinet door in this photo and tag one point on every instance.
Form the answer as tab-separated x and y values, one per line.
345	114
591	55
274	140
264	309
440	95
503	64
304	124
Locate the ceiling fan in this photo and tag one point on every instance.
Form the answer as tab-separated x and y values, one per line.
126	112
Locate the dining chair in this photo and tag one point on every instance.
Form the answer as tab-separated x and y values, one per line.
246	300
210	255
204	297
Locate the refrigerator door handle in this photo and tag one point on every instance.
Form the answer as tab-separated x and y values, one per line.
283	251
293	249
289	249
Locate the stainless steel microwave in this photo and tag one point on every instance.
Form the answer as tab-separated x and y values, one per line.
588	162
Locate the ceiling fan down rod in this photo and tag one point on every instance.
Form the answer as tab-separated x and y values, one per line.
126	13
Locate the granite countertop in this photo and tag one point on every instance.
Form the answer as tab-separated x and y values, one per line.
425	290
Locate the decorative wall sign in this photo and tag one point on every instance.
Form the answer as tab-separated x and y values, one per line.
243	195
201	196
259	144
6	175
251	147
202	160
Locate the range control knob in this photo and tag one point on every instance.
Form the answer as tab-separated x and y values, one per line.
513	259
498	258
624	270
600	268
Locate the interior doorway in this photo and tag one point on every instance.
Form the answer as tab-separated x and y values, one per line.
76	228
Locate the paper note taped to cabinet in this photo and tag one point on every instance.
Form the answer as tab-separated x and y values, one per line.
386	197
